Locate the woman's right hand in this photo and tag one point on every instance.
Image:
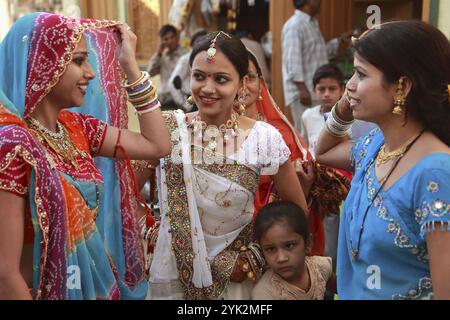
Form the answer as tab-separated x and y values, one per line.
343	109
126	53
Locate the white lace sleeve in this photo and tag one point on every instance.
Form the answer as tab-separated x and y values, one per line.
265	149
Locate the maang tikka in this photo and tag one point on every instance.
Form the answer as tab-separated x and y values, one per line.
212	47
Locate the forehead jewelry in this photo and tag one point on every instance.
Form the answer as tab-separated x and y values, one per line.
212	47
365	33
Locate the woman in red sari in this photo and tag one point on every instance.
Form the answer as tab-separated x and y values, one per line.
324	188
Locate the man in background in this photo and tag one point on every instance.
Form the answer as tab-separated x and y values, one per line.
303	51
163	62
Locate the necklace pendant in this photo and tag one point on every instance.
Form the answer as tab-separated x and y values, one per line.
354	254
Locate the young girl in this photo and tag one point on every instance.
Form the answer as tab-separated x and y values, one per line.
281	228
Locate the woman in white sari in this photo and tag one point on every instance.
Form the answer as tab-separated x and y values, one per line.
206	186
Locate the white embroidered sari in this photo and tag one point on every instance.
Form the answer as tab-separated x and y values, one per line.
206	214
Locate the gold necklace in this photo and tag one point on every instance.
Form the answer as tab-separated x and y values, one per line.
384	156
63	146
354	250
60	142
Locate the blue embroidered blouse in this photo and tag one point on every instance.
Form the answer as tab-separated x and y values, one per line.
393	259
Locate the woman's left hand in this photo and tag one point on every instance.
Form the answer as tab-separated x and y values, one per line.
126	53
238	275
306	176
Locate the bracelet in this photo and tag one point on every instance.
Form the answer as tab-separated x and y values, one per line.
336	117
146	103
143	225
255	261
140	94
143	78
147	97
336	126
337	133
147	106
140	113
257	252
152	234
140	86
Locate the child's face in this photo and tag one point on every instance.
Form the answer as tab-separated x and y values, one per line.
284	251
328	91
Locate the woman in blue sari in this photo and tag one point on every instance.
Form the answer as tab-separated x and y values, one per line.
69	229
394	233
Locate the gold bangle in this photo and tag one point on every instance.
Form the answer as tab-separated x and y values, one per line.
145	103
334	134
144	74
144	98
136	95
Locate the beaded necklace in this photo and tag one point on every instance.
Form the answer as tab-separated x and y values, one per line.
63	146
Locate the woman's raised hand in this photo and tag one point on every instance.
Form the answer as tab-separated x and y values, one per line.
126	53
344	111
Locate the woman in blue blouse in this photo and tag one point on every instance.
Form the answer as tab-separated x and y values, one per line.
394	236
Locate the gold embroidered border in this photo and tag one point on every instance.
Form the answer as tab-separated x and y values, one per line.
66	58
239	174
42	215
180	229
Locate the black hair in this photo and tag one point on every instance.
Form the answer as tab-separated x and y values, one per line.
282	212
253	59
420	52
231	47
328	71
298	4
241	33
197	35
165	29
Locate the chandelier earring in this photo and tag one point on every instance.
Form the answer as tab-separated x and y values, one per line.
241	102
189	103
399	100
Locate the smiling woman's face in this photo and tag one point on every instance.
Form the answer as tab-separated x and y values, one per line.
214	85
371	99
72	85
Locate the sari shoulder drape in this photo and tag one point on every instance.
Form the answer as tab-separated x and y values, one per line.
33	57
222	264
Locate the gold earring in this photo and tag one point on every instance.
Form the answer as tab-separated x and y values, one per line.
241	102
399	104
190	100
260	98
242	109
399	101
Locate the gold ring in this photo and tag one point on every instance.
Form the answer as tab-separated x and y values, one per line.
129	28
